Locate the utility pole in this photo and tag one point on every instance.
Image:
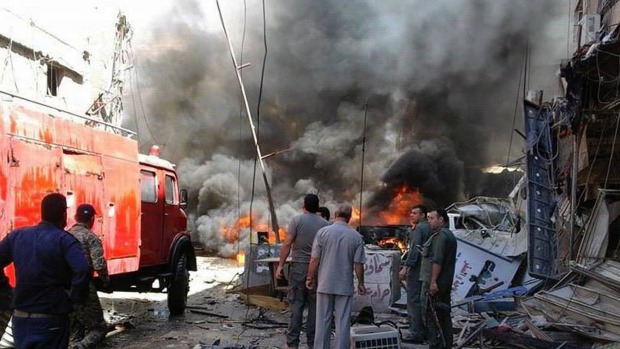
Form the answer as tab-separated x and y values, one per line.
109	105
272	210
363	155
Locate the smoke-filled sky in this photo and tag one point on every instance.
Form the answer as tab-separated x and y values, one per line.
439	78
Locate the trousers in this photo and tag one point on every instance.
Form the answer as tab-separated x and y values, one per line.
414	303
299	297
329	306
41	333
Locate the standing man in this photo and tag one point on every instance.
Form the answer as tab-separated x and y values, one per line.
52	274
337	251
88	325
298	243
411	272
437	275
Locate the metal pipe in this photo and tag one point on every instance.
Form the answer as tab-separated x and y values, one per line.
68	112
272	210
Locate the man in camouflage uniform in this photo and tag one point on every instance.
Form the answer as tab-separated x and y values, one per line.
88	326
6	292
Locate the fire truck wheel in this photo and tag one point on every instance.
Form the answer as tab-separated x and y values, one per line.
179	287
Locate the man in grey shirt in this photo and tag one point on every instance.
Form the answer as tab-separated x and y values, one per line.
298	243
337	250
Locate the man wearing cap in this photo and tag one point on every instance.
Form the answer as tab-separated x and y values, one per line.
52	274
88	326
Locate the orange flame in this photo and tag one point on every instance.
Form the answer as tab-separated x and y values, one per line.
241	257
232	232
393	242
398	210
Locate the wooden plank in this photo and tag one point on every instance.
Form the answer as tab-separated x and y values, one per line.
208	313
263	301
521	341
536	331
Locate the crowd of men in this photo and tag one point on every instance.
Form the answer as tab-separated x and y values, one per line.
325	254
54	303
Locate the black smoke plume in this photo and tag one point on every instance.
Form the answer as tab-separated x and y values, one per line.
439	78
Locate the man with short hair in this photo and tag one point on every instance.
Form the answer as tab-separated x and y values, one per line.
324	212
52	273
338	250
88	325
411	272
298	243
437	275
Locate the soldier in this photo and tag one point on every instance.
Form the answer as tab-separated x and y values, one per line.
89	317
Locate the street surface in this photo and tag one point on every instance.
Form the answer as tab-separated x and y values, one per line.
142	319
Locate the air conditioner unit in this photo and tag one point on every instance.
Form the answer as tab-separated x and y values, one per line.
373	337
590	27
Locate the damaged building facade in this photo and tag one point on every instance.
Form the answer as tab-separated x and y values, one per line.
573	182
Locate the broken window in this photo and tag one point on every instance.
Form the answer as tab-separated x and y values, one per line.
53	79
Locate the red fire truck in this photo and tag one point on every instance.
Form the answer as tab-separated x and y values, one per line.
137	197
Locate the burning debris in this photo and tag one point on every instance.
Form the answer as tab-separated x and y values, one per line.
419	136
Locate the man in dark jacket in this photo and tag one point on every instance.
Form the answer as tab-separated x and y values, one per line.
411	272
52	273
437	275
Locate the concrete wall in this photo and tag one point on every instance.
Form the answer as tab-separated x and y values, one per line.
26	49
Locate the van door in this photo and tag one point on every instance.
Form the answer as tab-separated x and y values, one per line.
152	217
172	212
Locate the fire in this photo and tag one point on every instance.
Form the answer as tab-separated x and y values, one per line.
402	201
241	257
355	217
233	232
392	243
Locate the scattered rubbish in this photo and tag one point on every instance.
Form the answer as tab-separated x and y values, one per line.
217	345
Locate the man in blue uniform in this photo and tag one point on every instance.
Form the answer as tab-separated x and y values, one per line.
52	273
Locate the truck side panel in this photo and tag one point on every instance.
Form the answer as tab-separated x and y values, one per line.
5	214
34	171
42	154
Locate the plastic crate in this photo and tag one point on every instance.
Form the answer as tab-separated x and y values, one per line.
373	337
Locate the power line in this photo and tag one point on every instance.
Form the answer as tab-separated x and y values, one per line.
146	123
514	116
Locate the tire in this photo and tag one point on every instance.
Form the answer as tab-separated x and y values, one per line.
178	287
